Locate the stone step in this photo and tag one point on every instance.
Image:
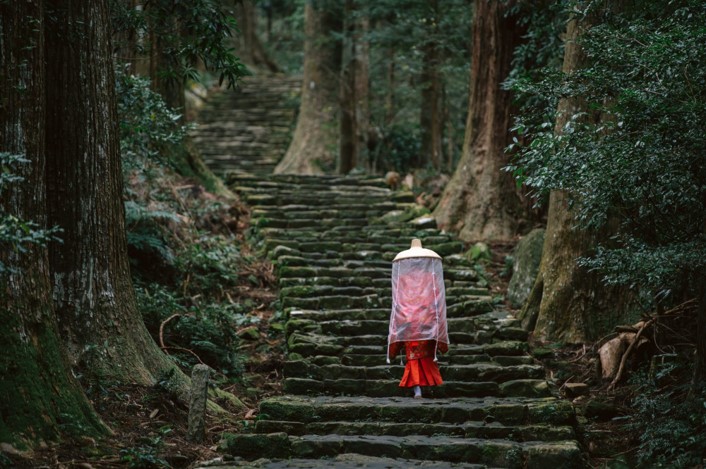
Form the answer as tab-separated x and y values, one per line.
355	328
503	453
341	461
308	343
269	199
472	306
390	387
480	429
507	348
444	360
505	411
472	372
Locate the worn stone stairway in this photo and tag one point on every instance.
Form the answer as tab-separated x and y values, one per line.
332	240
245	131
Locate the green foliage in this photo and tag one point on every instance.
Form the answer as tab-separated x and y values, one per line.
285	44
634	154
671	423
16	235
400	146
205	327
399	32
146	455
186	32
146	123
402	29
184	257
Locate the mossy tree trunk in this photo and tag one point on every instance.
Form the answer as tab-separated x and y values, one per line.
568	303
40	399
315	141
93	293
354	92
480	201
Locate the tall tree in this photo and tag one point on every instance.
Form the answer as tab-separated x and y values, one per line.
480	201
41	400
93	292
568	303
250	48
354	91
431	116
315	140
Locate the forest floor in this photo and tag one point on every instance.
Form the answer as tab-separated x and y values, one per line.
149	426
602	413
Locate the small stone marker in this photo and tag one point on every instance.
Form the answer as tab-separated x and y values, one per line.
197	404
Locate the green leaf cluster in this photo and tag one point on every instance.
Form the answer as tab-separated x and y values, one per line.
634	152
671	427
185	33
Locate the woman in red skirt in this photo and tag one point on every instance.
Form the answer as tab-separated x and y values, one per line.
418	318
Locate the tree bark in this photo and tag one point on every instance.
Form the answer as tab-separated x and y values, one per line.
480	201
39	395
93	294
431	118
250	49
354	118
575	306
315	140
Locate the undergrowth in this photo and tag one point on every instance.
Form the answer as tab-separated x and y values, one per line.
670	414
195	279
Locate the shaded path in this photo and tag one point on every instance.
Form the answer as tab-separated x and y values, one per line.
332	240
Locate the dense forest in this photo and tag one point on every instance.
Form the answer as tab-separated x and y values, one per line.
560	143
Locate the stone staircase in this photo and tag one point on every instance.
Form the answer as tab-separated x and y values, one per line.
332	240
247	131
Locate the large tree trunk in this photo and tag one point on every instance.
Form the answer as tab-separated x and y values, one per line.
431	117
480	201
354	119
38	392
93	292
568	303
250	49
315	140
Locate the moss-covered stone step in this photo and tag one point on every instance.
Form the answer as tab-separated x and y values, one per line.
341	461
304	223
390	387
385	238
333	301
506	411
495	324
503	453
310	343
471	372
329	258
479	429
379	358
365	212
499	348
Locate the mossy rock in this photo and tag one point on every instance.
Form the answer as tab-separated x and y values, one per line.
527	255
273	445
479	252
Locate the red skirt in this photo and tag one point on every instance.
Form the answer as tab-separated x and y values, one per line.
421	369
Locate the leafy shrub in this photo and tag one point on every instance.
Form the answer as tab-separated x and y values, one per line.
196	332
639	159
671	422
146	122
